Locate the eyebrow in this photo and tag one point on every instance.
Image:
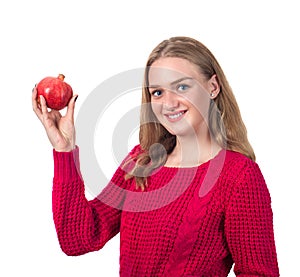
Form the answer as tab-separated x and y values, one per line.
172	83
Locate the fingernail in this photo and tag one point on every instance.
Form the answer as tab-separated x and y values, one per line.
75	98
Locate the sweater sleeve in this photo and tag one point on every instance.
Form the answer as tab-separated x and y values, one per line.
83	226
249	225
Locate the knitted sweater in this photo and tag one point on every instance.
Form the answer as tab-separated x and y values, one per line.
196	221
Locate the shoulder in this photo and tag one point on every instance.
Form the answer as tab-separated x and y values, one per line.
245	175
129	161
136	150
237	163
241	171
133	153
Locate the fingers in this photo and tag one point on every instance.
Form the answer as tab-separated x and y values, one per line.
35	104
43	105
71	107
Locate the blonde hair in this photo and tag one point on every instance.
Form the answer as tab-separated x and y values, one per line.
225	122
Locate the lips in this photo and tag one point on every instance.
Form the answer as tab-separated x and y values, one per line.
175	116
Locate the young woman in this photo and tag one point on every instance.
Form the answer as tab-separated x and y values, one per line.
189	200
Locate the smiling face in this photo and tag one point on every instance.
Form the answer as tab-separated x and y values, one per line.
180	95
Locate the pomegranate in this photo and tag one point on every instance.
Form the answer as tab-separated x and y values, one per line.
56	92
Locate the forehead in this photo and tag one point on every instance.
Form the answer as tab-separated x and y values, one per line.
166	70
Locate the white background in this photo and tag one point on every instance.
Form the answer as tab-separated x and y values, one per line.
257	45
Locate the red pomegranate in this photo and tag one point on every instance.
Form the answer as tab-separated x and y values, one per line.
56	92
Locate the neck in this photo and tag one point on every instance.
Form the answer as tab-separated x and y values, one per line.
193	150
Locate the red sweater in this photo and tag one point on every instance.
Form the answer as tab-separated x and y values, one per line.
188	222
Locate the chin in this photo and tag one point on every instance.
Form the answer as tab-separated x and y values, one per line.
180	132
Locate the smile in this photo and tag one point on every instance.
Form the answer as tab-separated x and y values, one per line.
175	116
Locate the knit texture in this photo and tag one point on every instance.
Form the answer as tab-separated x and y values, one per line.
196	221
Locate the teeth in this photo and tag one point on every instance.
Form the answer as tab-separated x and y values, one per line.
174	116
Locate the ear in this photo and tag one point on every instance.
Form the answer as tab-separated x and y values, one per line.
214	87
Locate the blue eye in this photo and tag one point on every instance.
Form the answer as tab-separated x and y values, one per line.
156	93
182	87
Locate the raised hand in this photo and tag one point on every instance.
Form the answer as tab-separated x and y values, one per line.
60	129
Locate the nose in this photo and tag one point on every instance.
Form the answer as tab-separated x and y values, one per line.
170	101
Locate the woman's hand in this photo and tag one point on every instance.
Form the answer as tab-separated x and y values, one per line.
60	129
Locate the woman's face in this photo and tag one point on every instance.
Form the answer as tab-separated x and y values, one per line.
180	95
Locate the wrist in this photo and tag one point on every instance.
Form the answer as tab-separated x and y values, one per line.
67	149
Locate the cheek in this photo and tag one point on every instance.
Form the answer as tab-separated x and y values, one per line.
199	104
156	108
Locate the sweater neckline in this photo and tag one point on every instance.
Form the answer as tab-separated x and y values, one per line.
204	164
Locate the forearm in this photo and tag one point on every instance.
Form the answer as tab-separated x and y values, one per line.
82	226
71	214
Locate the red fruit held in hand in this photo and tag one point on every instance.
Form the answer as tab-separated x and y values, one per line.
56	92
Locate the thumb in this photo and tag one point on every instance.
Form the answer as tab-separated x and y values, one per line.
71	107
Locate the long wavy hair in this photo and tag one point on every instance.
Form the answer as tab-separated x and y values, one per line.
224	120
